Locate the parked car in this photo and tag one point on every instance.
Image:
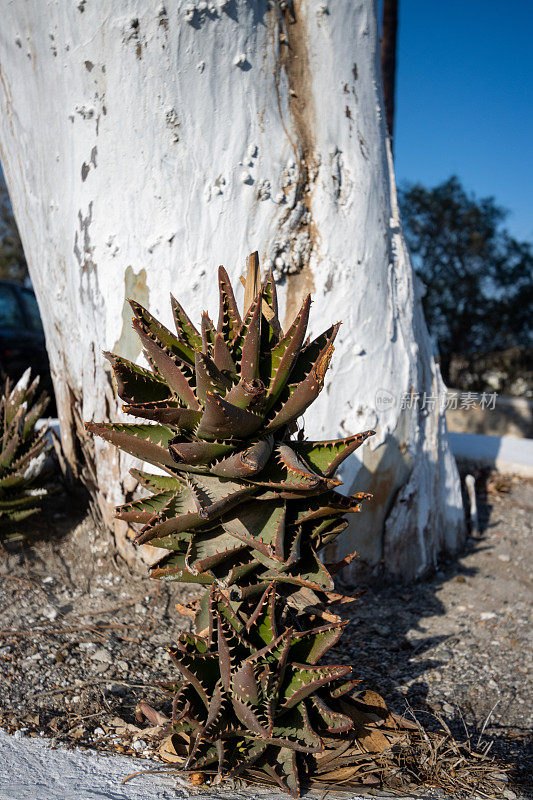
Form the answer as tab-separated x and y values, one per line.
22	342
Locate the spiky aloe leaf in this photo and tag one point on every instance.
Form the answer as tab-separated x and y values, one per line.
308	389
334	720
147	442
208	334
303	680
260	525
176	373
295	728
186	331
197	452
327	456
135	384
209	378
286	351
287	471
285	771
144	510
14	397
263	620
222	357
214	547
309	646
168	412
222	420
175	569
150	329
229	319
156	483
251	340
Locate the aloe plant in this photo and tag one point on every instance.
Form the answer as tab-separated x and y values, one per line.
23	452
243	502
245	507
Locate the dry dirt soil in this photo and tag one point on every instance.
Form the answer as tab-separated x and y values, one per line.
82	638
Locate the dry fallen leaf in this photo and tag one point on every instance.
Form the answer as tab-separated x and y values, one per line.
145	711
373	741
167	751
185	610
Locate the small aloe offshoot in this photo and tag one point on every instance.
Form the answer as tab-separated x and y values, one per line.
23	452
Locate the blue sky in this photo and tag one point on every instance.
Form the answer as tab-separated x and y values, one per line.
464	99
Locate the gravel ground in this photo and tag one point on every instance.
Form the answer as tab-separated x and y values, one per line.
82	639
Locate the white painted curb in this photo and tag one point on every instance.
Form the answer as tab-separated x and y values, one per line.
507	454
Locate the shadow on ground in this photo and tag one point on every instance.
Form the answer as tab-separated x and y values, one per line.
453	648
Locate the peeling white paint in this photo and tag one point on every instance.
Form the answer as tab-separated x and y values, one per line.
300	114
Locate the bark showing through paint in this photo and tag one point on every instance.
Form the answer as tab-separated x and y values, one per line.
389	36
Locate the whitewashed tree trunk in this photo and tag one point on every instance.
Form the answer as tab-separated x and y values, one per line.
144	144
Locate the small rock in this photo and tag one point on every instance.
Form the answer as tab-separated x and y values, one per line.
485	615
447	708
139	745
117	689
102	655
504	557
123	666
77	732
98	732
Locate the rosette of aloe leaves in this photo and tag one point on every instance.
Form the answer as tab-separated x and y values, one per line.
23	453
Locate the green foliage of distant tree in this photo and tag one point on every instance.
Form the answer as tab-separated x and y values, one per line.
478	278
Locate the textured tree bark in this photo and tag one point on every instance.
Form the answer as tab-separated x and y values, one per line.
145	144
